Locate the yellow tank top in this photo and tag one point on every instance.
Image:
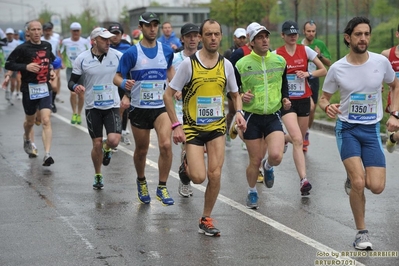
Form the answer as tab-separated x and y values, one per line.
203	98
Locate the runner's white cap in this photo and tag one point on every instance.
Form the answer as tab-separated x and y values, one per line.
254	28
75	26
240	32
102	32
9	31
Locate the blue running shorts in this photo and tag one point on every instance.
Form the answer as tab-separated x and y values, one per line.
358	140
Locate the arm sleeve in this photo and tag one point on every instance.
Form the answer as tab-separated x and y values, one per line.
72	81
284	85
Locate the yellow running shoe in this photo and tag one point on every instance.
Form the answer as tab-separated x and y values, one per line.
233	130
260	177
389	144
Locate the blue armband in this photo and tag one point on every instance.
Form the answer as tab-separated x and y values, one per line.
123	84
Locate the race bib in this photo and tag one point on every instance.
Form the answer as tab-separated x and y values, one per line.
72	52
151	93
209	109
363	107
296	86
103	95
38	91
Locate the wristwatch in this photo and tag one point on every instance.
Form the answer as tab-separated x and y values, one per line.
241	112
321	56
395	114
310	75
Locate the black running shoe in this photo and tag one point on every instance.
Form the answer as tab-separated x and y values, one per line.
48	160
206	227
98	182
106	155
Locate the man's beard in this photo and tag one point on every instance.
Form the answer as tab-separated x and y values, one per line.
357	50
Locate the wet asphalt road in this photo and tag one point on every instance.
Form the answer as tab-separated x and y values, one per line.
52	216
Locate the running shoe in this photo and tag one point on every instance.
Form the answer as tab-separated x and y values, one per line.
305	187
125	140
185	190
228	140
38	122
252	200
107	154
78	119
54	108
74	119
233	130
19	96
268	175
58	99
260	177
348	185
244	146
184	178
306	141
142	192
48	160
362	240
285	147
28	146
285	143
391	145
206	227
34	153
8	95
305	148
98	181
163	196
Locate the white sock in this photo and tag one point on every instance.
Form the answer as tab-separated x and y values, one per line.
267	165
252	190
303	180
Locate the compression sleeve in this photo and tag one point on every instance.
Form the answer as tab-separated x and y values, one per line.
284	85
73	81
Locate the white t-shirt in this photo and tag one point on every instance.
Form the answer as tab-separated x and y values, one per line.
360	88
9	48
177	59
55	44
71	49
101	93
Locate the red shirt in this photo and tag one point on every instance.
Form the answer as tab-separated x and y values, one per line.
297	62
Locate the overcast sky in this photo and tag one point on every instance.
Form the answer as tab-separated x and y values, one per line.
23	10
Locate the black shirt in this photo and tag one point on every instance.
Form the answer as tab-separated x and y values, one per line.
27	53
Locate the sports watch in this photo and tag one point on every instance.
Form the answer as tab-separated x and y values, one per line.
395	114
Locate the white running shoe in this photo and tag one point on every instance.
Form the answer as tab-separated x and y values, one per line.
125	139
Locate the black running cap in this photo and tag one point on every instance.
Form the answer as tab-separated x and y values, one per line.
147	17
